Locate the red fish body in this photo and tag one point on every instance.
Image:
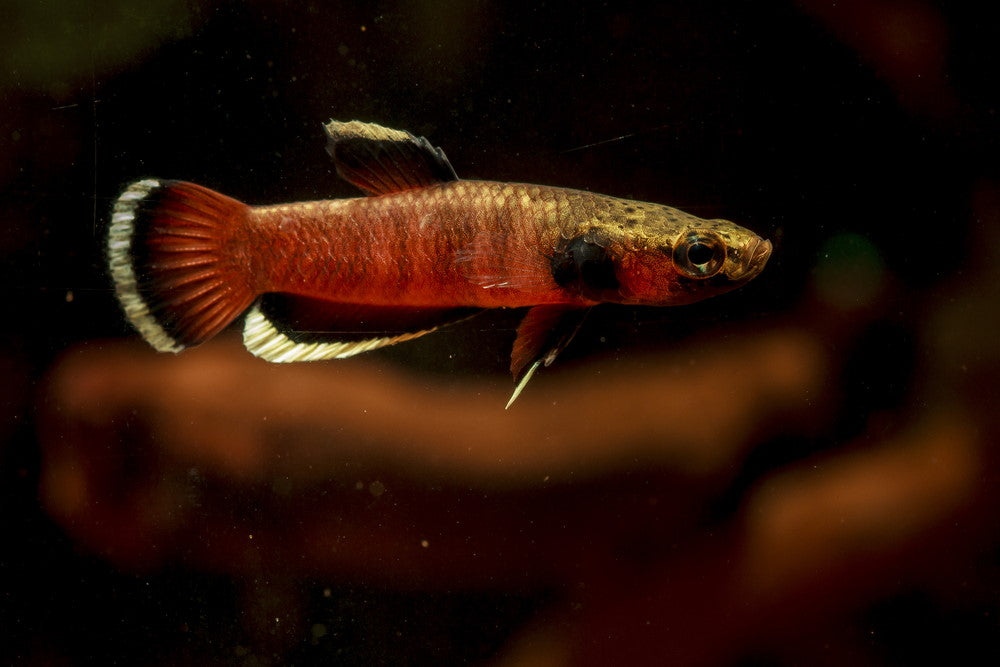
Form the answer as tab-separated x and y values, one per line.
328	279
452	244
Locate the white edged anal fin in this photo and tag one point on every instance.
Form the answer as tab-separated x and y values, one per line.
288	328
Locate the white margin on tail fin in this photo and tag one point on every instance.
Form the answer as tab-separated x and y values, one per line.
120	236
264	340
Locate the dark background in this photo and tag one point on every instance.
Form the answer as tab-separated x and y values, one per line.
857	136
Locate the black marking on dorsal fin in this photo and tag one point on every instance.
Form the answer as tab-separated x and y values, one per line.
287	327
380	160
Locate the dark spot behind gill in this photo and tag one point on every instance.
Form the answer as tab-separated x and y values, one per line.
585	266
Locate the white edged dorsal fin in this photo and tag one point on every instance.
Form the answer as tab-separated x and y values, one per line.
380	160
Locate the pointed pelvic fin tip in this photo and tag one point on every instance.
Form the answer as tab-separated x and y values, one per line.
523	383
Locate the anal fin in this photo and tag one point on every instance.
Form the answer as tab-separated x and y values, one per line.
289	328
544	332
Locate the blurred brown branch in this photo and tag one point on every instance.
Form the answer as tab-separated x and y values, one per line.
144	450
811	546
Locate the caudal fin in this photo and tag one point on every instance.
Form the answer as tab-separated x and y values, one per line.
170	256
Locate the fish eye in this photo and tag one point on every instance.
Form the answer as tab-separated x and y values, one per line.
699	254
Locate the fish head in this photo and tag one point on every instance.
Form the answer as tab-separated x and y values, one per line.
654	255
675	264
667	258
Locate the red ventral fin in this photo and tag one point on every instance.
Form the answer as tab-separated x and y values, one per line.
544	332
286	328
380	160
168	258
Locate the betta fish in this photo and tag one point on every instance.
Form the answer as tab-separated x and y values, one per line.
330	279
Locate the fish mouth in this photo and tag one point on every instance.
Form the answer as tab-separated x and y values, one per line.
757	252
760	253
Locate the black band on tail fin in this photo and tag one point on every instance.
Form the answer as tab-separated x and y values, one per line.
168	257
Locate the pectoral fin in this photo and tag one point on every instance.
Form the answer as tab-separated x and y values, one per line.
521	267
543	333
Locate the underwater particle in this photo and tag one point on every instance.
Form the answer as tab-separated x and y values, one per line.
424	543
850	272
376	488
318	630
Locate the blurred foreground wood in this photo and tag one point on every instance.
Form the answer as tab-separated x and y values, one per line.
810	547
352	467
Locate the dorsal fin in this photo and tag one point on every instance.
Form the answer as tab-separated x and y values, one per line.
380	160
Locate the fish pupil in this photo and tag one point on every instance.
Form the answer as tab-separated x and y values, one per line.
700	253
585	265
